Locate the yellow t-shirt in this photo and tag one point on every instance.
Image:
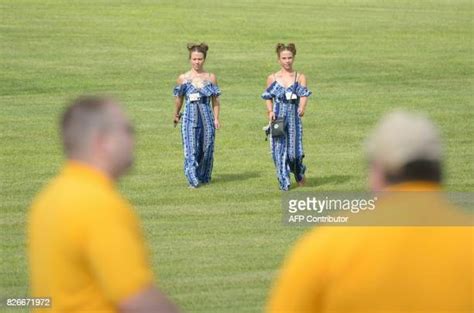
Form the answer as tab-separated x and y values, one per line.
378	269
86	248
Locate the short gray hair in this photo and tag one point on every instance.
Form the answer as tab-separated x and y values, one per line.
85	114
403	137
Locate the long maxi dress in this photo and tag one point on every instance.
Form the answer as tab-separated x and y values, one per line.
287	151
197	130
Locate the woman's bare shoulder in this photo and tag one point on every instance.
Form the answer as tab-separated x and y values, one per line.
271	78
182	78
213	78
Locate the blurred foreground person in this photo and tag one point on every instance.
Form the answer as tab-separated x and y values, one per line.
416	268
86	249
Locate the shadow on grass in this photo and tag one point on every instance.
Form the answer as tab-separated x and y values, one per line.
327	180
225	178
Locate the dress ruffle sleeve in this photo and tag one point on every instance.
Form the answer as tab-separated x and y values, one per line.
211	90
302	91
269	93
179	90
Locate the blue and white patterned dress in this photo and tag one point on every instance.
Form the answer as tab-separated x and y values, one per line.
287	151
198	131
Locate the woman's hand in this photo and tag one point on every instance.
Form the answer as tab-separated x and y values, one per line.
271	116
301	112
217	125
175	119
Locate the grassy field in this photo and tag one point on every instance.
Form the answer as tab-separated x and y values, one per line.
218	248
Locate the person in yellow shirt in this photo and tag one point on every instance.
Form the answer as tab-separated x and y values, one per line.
386	269
85	245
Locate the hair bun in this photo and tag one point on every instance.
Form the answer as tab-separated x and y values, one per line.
204	46
198	47
282	47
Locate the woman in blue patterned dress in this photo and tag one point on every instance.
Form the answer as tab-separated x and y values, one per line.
198	89
286	97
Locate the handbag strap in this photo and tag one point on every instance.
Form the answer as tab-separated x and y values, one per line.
294	85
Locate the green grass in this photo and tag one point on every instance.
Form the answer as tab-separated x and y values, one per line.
218	248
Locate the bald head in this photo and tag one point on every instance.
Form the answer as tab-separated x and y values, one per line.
95	130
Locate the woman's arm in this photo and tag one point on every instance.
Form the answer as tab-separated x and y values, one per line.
269	102
303	100
216	104
178	102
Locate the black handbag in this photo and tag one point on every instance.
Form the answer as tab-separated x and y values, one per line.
278	127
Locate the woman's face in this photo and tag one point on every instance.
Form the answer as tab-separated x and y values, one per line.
197	60
286	59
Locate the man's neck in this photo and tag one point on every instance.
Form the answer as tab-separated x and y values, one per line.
95	164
